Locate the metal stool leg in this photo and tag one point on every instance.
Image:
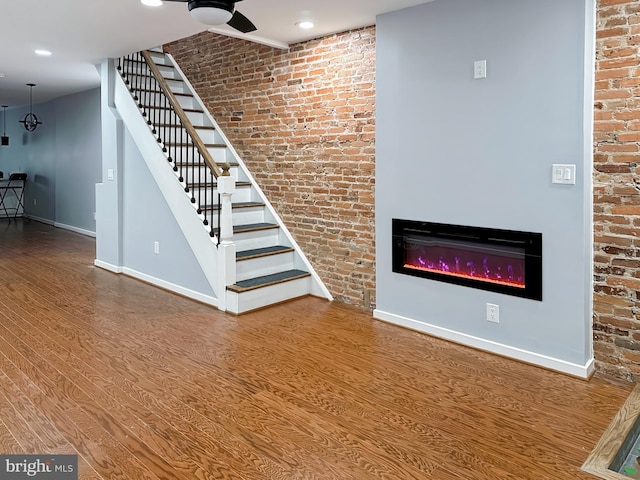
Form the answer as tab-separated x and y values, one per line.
18	191
3	193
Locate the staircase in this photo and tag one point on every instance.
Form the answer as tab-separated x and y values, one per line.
266	266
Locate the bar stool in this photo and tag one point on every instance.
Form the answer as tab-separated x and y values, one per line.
15	184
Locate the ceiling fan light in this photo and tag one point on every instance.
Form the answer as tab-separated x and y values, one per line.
211	16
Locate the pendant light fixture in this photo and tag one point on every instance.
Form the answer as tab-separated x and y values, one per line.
5	138
30	121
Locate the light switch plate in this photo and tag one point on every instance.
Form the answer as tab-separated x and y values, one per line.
563	174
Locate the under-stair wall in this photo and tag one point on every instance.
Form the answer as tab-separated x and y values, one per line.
133	214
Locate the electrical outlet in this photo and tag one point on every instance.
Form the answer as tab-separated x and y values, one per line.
493	313
156	247
480	69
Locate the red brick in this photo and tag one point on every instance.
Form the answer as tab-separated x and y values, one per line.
312	118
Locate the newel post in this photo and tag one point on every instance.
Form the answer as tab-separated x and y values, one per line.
226	248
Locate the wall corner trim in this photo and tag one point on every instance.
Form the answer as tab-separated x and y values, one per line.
581	371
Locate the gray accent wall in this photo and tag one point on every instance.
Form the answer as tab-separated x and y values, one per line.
78	159
62	158
456	150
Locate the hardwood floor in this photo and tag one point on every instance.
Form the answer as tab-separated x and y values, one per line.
144	384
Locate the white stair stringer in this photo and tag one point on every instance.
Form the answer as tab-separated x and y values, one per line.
201	244
262	279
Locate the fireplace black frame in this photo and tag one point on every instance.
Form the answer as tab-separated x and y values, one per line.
529	242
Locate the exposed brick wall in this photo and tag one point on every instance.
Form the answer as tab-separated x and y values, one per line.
303	120
617	189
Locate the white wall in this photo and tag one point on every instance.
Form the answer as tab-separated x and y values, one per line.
452	149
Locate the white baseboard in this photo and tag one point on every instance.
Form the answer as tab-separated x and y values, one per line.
573	369
107	266
64	226
185	292
71	228
40	219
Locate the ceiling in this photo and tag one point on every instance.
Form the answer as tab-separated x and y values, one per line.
80	34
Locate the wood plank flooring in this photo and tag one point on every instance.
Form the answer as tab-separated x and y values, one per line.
144	384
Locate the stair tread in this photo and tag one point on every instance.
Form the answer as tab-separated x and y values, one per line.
208	145
251	227
158	107
184	163
142	62
267	280
262	252
203	184
146	75
233	205
197	127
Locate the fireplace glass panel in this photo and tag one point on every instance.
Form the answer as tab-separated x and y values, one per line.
503	261
502	265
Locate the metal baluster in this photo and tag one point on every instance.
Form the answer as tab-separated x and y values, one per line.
193	166
181	152
135	82
219	227
164	117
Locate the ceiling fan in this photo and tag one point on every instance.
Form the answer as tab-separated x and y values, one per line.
217	12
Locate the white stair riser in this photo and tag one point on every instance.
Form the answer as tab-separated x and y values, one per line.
141	69
209	136
159	99
159	58
202	170
219	154
195	118
248	215
241	216
268	265
258	239
199	172
243	194
247	301
176	86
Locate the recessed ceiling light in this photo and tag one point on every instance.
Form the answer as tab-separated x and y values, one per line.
306	25
43	53
151	3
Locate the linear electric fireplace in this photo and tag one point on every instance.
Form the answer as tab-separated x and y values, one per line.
503	261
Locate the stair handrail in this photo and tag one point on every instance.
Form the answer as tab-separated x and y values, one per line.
191	131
